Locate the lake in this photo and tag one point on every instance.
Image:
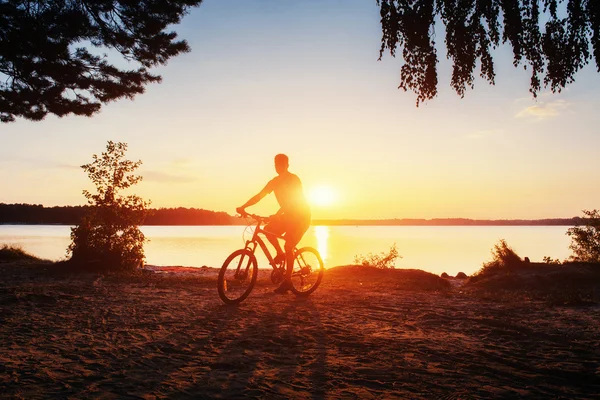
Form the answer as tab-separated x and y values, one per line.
435	249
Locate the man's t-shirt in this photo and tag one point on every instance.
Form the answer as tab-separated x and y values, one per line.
290	196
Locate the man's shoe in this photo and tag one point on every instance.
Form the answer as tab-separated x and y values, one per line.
284	287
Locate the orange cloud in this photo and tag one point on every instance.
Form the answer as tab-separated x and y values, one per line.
544	110
484	133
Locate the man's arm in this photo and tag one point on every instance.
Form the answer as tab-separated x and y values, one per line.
256	198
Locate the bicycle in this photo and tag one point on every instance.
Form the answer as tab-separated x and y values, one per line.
238	274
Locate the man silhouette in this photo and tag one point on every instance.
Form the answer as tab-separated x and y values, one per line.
292	218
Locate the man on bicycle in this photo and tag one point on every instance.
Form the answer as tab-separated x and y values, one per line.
293	217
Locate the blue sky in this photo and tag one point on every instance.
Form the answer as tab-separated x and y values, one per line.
302	78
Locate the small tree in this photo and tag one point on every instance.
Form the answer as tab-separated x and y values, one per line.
585	237
109	232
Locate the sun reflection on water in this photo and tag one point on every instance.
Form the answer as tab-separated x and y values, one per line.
322	235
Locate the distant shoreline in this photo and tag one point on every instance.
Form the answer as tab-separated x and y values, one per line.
569	222
37	214
447	222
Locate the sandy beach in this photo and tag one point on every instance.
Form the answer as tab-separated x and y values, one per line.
362	334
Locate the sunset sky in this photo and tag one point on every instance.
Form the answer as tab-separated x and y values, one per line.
302	78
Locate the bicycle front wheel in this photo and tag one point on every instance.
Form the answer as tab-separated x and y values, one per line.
308	271
237	276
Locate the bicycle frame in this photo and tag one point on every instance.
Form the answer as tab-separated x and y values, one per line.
309	270
256	239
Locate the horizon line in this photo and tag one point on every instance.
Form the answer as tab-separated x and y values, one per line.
347	219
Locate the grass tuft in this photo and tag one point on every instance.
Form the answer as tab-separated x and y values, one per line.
15	253
383	260
504	261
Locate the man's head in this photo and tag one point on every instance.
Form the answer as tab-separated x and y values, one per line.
282	163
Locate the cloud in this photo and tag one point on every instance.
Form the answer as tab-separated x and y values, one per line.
36	163
544	110
67	166
484	133
182	162
180	170
165	177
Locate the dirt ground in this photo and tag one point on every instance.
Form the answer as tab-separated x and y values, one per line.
357	336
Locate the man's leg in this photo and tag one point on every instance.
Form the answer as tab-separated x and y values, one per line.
275	242
294	233
294	230
289	259
277	227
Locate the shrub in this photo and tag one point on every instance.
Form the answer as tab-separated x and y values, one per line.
503	258
108	235
382	260
585	238
12	253
550	260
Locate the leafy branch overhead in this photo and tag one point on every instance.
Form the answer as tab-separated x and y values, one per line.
553	39
52	61
50	52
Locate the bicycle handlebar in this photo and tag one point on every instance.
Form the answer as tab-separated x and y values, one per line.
255	217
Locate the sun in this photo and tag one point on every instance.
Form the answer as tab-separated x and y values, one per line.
322	195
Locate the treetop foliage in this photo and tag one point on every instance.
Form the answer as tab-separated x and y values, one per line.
111	173
585	237
46	62
109	231
552	38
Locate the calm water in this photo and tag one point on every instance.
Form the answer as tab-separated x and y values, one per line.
435	249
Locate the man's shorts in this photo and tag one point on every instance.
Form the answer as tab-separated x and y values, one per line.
294	227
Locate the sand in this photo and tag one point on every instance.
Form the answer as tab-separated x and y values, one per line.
358	336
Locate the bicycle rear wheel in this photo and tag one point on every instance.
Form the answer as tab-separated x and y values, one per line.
237	276
308	271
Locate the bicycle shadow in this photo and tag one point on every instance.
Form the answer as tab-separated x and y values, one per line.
275	350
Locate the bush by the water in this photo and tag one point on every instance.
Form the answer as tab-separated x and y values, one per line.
108	236
550	260
13	253
559	283
585	238
382	260
503	260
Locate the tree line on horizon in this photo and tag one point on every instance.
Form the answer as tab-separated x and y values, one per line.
451	222
71	215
